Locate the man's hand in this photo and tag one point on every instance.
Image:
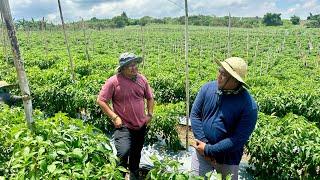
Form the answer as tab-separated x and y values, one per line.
117	122
199	146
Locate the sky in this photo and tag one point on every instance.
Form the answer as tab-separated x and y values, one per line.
74	10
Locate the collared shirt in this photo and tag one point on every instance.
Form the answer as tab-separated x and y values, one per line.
8	99
224	121
127	98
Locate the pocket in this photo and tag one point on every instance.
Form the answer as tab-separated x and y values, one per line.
121	132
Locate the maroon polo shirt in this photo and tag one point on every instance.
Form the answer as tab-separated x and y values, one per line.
127	98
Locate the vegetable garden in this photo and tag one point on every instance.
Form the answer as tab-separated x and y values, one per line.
284	78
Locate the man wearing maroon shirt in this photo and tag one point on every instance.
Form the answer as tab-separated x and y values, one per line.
127	91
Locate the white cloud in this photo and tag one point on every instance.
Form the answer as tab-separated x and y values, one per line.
310	4
74	9
20	3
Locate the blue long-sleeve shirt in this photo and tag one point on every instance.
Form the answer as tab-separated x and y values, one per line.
224	122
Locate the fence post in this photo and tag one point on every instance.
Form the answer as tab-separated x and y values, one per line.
187	72
43	27
19	64
85	40
66	41
229	43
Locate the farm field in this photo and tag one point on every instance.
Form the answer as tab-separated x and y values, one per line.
284	78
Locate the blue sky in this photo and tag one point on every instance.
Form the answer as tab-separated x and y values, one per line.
76	9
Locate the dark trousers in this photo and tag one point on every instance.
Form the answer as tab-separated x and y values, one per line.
129	144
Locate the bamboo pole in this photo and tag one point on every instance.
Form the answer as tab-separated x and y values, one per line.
213	53
255	57
19	64
5	52
283	43
261	65
310	46
318	55
158	61
85	40
247	45
43	28
268	59
28	36
187	73
229	44
66	41
142	49
199	62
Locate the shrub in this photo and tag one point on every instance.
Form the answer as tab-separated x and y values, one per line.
285	148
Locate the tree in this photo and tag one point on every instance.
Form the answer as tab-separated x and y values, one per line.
145	20
313	21
272	19
94	19
119	22
309	17
295	20
125	18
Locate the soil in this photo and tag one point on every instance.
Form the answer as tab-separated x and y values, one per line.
182	135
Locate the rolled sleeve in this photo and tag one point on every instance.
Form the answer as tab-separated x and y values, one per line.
106	91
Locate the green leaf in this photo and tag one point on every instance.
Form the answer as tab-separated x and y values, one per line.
122	169
43	165
26	151
60	144
64	178
61	152
52	168
41	151
77	153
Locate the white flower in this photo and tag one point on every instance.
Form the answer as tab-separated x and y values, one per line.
296	150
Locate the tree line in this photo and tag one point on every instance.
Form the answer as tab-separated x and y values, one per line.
120	21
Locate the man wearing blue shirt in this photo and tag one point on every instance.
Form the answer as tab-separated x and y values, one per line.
5	96
223	116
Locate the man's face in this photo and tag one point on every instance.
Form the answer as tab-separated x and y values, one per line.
225	80
131	70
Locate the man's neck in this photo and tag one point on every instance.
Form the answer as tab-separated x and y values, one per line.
134	77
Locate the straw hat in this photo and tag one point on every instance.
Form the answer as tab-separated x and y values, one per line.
236	67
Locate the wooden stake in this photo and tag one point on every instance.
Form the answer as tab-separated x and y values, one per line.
186	40
66	41
142	49
247	45
19	64
4	31
44	37
229	45
255	57
158	62
85	40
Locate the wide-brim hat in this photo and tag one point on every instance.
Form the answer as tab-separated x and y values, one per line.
236	67
4	84
126	58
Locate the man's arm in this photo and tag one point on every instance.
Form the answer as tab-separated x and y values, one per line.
104	97
108	110
196	117
150	105
148	95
